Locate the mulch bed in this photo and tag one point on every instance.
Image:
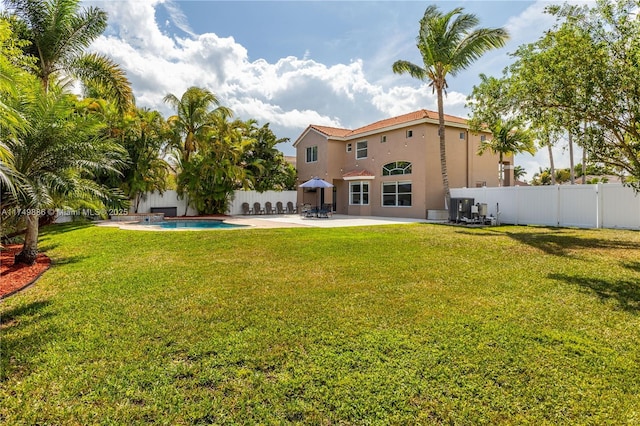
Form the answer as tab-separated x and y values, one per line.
14	278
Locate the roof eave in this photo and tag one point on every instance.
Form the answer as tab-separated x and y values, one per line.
369	177
311	128
404	125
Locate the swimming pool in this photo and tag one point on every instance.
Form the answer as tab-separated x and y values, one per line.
193	224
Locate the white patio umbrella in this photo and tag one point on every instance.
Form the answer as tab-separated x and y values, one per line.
316	182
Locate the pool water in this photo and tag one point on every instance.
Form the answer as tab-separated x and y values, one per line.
193	224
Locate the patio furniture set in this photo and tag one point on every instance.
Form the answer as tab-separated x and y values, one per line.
306	210
323	212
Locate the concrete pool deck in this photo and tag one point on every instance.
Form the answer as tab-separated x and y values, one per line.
285	221
336	221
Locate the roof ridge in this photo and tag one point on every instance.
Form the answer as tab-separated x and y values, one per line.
322	129
420	114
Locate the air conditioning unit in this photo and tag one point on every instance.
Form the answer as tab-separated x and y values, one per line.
460	208
483	210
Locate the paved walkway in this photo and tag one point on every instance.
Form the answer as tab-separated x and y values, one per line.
284	221
337	220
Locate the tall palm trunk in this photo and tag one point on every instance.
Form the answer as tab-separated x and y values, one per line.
552	167
584	166
137	203
29	251
443	153
572	173
584	157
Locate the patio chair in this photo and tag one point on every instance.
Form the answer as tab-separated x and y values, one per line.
290	207
246	209
268	208
305	210
257	209
325	211
279	208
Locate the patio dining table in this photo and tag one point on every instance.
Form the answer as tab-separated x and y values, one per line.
318	212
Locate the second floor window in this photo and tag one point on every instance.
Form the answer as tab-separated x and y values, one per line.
361	150
312	154
396	168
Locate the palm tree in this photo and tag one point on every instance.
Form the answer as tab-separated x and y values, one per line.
58	158
60	33
448	44
194	117
192	124
217	169
266	165
508	139
11	77
145	137
519	172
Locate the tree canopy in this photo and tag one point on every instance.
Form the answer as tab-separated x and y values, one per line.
580	79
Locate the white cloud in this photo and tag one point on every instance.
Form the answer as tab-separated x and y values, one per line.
178	17
290	93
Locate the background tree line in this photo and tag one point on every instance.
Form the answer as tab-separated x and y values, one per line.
97	150
579	83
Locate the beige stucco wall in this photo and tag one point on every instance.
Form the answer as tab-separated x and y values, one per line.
465	168
320	168
396	148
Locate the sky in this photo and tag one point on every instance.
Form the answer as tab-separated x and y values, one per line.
296	63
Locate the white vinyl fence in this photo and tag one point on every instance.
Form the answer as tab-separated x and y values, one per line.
583	206
167	199
170	199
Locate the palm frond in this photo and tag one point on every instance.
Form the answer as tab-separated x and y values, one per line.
448	43
106	77
415	71
81	29
476	44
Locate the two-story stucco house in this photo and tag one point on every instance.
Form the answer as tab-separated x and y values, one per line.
392	167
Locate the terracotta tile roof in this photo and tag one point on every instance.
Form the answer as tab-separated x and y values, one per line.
406	118
422	114
388	122
331	131
357	173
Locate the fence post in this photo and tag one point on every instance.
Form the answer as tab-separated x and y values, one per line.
557	205
598	189
517	205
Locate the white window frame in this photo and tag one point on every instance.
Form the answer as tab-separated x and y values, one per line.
360	149
462	136
483	138
349	147
409	133
361	192
383	139
311	152
408	166
396	194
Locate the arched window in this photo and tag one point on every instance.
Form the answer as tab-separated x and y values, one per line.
396	168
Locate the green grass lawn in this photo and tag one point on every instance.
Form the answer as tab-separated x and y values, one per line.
399	324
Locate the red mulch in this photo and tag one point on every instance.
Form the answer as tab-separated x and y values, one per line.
16	277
